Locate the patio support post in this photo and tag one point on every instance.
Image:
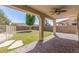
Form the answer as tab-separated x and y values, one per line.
54	27
78	25
41	26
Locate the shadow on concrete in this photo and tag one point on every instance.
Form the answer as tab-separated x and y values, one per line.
56	45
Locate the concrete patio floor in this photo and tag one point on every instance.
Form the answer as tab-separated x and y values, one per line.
5	37
61	43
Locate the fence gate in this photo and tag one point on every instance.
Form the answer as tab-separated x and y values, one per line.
10	29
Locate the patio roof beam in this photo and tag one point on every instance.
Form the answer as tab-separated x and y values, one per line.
29	9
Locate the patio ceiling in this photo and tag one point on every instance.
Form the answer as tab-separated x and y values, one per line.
44	10
72	10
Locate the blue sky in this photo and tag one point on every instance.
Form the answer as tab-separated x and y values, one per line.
15	16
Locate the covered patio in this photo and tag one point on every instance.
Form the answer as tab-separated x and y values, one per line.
61	42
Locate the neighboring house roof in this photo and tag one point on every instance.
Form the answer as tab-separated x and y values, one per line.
23	24
20	24
62	21
70	20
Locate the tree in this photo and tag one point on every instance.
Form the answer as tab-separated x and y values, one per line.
3	19
30	19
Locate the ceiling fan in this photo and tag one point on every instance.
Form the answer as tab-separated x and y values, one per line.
58	11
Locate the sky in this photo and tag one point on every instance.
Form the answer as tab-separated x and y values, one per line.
13	15
16	16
